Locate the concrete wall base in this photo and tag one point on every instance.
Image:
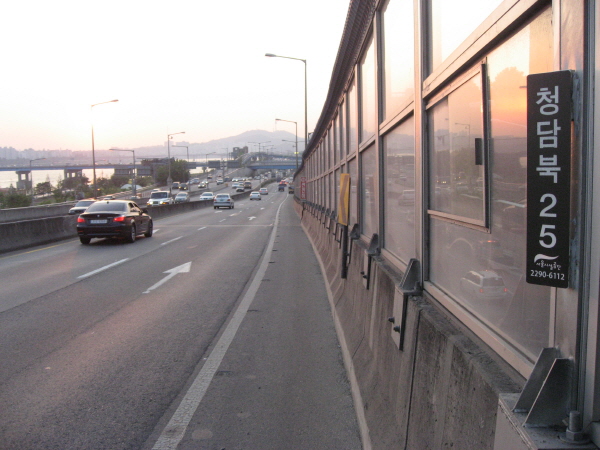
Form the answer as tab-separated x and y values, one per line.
442	390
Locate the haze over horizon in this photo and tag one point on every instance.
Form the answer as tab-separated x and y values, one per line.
182	66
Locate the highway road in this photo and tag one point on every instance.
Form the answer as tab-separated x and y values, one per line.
97	341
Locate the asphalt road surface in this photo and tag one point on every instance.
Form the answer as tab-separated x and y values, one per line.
99	344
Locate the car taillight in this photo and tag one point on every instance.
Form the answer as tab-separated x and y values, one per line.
119	219
481	290
80	220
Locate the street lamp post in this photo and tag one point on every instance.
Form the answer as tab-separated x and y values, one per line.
295	123
169	179
31	175
134	181
271	55
296	152
93	150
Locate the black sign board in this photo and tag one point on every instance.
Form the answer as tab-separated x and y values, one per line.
549	112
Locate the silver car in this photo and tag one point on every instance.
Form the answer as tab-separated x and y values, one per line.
223	201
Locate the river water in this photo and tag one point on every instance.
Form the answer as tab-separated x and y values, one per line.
8	178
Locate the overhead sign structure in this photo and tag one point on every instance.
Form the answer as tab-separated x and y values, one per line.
549	113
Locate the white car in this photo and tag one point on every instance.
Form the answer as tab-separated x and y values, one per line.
255	195
160	198
223	201
207	196
263	191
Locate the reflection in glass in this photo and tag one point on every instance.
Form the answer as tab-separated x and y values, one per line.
368	190
452	22
486	271
456	168
398	49
368	105
399	194
352	120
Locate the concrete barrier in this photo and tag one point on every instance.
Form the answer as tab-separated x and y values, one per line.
25	233
35	212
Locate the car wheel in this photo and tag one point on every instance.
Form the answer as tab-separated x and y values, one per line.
231	207
85	240
150	229
215	207
132	234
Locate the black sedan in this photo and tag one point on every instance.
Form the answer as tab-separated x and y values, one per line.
113	218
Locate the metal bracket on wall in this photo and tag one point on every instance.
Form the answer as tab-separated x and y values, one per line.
546	396
372	251
410	285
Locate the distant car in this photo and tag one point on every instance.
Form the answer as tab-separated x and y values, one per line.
219	181
290	189
281	187
113	218
202	185
255	195
248	184
81	206
235	185
484	285
160	198
240	189
108	197
195	181
207	196
182	197
263	191
223	201
175	185
183	186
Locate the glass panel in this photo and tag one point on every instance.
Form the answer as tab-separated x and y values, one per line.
368	106
336	191
352	120
353	171
368	186
465	261
335	130
452	22
398	43
456	176
399	191
342	131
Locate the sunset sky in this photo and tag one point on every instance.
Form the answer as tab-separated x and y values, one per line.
184	65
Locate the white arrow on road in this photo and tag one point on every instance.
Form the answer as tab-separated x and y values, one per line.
172	272
251	218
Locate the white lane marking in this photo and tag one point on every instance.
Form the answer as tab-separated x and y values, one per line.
172	272
172	240
201	228
175	430
89	274
156	231
251	218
